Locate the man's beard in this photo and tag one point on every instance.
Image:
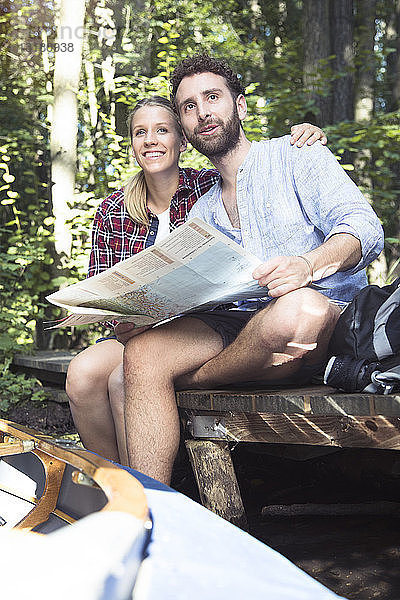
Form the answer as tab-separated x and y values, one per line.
220	144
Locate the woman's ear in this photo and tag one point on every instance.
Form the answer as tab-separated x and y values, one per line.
132	157
183	145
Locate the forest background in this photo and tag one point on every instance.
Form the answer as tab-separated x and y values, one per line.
72	69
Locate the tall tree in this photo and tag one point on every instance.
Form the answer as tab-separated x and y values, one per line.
366	61
64	127
316	35
393	105
393	59
342	48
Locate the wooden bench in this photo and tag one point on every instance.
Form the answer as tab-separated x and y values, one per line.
317	415
49	366
213	420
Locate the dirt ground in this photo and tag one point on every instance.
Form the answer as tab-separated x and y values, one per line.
356	555
49	417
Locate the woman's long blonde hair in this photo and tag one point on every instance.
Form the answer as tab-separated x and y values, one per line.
135	189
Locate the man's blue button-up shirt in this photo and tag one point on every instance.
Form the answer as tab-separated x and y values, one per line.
290	200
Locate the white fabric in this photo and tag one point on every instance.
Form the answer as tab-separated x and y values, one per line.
163	226
197	555
13	508
73	562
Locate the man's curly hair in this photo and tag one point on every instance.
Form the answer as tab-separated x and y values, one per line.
202	63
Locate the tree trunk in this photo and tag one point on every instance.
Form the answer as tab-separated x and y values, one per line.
365	78
393	104
316	47
393	59
342	48
64	126
364	108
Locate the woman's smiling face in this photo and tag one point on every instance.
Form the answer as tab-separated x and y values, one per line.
156	141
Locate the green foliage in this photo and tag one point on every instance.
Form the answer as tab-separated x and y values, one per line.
18	308
17	388
129	52
371	154
375	151
25	232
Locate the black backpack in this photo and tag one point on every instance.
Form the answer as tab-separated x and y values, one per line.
365	345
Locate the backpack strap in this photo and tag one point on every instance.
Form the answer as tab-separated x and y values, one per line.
380	339
384	382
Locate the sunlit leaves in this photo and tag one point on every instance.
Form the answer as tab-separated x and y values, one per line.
143	43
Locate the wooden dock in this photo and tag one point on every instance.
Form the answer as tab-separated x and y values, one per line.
315	416
49	366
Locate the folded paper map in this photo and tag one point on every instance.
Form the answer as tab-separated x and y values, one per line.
194	268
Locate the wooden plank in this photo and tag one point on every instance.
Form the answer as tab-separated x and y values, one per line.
338	431
51	366
342	404
46	377
16	447
344	431
47	366
216	480
317	400
289	400
387	405
54	471
371	509
55	361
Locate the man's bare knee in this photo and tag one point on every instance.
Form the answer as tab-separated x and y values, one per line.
298	317
143	356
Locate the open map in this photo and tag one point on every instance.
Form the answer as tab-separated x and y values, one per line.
194	267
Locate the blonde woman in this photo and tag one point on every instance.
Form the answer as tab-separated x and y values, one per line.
151	204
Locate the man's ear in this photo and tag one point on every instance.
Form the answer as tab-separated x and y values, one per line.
183	144
241	106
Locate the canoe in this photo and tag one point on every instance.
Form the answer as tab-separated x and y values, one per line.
116	534
95	512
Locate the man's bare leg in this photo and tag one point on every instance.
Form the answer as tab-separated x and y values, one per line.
152	362
292	331
87	388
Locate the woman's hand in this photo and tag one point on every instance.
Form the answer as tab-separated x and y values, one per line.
125	331
305	132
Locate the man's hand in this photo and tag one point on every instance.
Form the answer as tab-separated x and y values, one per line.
283	274
305	132
125	331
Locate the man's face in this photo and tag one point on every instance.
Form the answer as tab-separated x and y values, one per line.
210	117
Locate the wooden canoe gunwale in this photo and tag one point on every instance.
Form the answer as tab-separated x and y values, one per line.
123	491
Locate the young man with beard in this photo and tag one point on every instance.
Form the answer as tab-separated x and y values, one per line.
297	210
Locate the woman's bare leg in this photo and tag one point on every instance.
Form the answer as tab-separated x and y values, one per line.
87	389
116	395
